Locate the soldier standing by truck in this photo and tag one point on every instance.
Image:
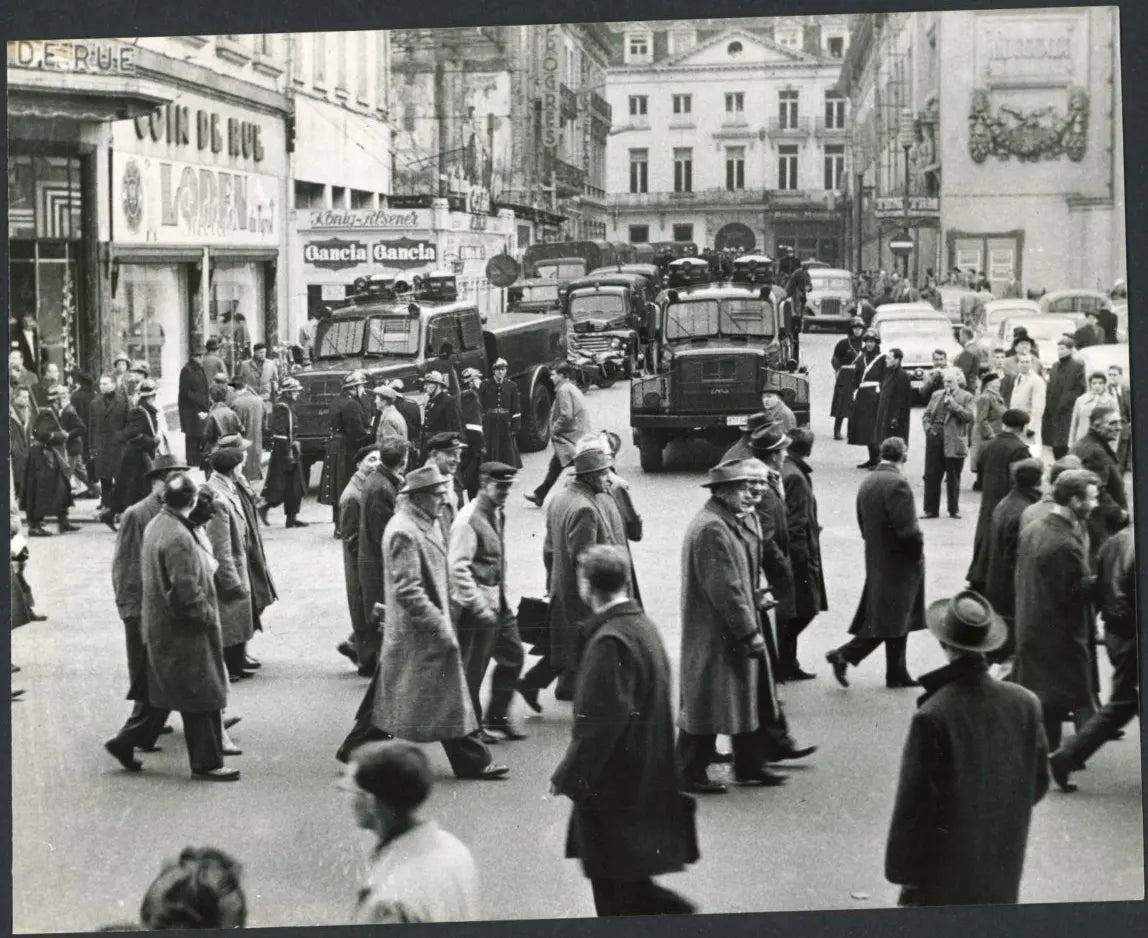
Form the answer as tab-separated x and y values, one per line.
470	407
442	415
501	416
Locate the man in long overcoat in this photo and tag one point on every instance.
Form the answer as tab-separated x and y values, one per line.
869	369
996	460
1003	542
974	764
20	419
422	693
580	516
109	416
893	599
285	484
47	478
350	516
248	406
809	595
194	403
1054	615
141	436
350	432
1097	453
1065	385
895	402
470	408
441	413
845	354
501	416
413	417
629	821
185	669
569	422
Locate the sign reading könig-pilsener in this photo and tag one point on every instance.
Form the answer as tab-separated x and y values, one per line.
339	254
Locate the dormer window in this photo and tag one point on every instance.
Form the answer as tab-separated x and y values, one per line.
788	36
734	48
680	40
638	48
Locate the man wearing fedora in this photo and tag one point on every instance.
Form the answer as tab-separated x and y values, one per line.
470	407
194	403
142	436
127	585
743	448
441	411
285	484
213	364
47	478
348	422
580	516
421	692
262	376
892	601
501	415
974	764
221	421
569	422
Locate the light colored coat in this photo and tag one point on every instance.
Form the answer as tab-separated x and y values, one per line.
569	421
1028	393
249	408
391	423
953	418
1082	413
422	693
227	532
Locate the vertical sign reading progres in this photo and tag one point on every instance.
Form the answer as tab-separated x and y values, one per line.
550	86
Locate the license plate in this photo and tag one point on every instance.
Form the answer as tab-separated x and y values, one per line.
739	420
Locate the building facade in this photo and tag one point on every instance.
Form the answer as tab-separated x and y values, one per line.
1015	158
730	134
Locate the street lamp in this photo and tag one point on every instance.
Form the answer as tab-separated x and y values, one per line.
905	139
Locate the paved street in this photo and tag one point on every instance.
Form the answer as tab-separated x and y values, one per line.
89	837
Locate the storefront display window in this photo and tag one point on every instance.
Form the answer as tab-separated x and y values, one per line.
235	314
149	313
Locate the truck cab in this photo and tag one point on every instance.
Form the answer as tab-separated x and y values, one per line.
717	347
567	260
609	311
537	295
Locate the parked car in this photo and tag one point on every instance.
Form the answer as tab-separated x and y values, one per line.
998	311
1043	328
1103	357
917	330
955	301
831	302
1073	301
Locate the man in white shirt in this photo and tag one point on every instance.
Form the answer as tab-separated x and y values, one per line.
1028	394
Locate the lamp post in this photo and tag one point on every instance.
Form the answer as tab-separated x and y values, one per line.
905	139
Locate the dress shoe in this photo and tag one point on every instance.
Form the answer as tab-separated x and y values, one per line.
704	786
36	617
763	777
17	693
366	669
229	722
530	695
1060	773
296	523
166	731
840	667
15	668
488	738
955	515
250	664
565	694
489	772
232	750
39	531
504	728
533	499
347	650
123	754
797	674
262	510
108	517
792	752
152	748
837	436
239	675
930	515
222	774
903	680
66	527
343	754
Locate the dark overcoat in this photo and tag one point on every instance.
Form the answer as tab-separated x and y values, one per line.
18	442
1066	383
719	682
893	598
350	516
442	416
1003	540
379	495
501	417
995	464
894	404
185	668
109	417
974	764
629	819
221	421
76	428
470	408
576	518
844	355
227	533
263	592
1097	456
1054	615
194	397
140	436
127	584
47	477
285	470
772	515
863	418
350	431
809	595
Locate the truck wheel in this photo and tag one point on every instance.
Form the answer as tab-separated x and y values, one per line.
650	455
608	376
535	433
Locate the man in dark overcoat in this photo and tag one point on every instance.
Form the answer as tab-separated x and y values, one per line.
285	484
501	416
1054	615
350	516
845	354
1065	385
1123	396
350	432
127	584
629	822
109	416
194	402
141	436
893	599
20	420
442	414
1097	452
974	765
868	369
47	478
470	409
804	552
895	401
581	515
1003	540
179	610
995	464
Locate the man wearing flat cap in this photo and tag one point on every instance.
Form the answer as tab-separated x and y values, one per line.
390	420
483	618
421	691
445	451
441	411
501	416
974	764
348	422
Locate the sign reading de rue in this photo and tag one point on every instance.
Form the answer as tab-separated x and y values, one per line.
91	56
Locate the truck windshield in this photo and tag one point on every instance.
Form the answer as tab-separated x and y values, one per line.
393	335
706	318
597	306
836	284
561	270
540	293
339	338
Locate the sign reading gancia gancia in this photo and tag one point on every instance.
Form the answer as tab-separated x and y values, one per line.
337	254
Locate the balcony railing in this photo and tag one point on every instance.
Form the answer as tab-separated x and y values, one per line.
734	119
569	179
827	129
790	127
600	109
814	199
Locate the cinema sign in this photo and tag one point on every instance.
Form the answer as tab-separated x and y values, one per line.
339	254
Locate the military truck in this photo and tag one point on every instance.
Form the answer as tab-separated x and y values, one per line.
565	260
390	334
537	295
608	311
715	348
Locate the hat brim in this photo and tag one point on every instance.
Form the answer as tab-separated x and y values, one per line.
935	619
445	485
710	483
166	469
245	444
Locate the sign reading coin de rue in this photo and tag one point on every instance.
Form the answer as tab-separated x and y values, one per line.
337	254
92	56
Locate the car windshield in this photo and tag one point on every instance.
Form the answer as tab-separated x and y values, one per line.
705	318
393	335
837	284
1046	329
997	316
540	293
561	270
339	338
597	306
1075	303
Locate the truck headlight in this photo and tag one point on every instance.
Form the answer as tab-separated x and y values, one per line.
615	343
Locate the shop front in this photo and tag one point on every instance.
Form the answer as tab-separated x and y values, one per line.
197	228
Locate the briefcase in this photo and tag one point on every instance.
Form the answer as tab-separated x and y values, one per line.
534	624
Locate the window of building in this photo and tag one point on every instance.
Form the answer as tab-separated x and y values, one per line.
639	171
682	103
319	60
836	47
309	194
734	48
735	168
338	196
735	102
638	103
787	167
361	199
834	168
341	62
639	234
638	48
787	109
683	232
683	169
789	36
261	44
834	112
362	66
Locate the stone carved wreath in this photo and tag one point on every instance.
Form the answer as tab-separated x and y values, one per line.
1030	136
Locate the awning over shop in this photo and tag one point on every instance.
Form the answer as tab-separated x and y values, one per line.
82	97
